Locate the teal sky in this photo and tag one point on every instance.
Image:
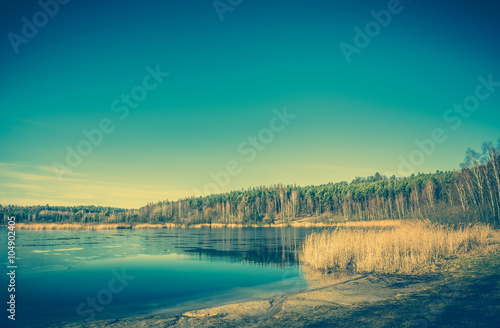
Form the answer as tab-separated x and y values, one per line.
225	78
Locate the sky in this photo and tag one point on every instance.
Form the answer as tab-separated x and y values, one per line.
123	103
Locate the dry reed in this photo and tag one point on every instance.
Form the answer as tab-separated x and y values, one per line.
72	226
107	226
156	226
406	248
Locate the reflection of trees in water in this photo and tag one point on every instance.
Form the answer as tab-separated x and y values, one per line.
267	246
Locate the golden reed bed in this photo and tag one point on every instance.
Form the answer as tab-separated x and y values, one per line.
406	248
72	226
108	226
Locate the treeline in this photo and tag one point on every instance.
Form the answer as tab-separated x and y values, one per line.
471	194
61	214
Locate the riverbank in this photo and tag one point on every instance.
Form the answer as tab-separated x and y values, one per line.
303	223
464	292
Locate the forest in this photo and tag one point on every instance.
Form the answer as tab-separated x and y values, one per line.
471	194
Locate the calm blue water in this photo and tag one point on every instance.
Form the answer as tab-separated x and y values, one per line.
66	276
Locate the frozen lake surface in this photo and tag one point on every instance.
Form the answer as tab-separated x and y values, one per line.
85	275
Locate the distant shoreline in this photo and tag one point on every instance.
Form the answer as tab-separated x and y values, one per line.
117	226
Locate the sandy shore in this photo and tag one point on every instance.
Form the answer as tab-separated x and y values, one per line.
295	310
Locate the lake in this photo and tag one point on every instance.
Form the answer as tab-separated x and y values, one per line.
86	275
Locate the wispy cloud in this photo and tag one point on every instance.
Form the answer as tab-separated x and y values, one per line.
30	185
22	186
37	123
50	169
25	172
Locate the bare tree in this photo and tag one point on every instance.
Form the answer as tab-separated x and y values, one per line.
492	156
429	193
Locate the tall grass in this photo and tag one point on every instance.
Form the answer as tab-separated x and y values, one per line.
155	226
370	224
72	226
105	226
109	226
406	248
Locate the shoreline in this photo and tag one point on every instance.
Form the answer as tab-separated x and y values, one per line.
117	226
465	293
347	292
